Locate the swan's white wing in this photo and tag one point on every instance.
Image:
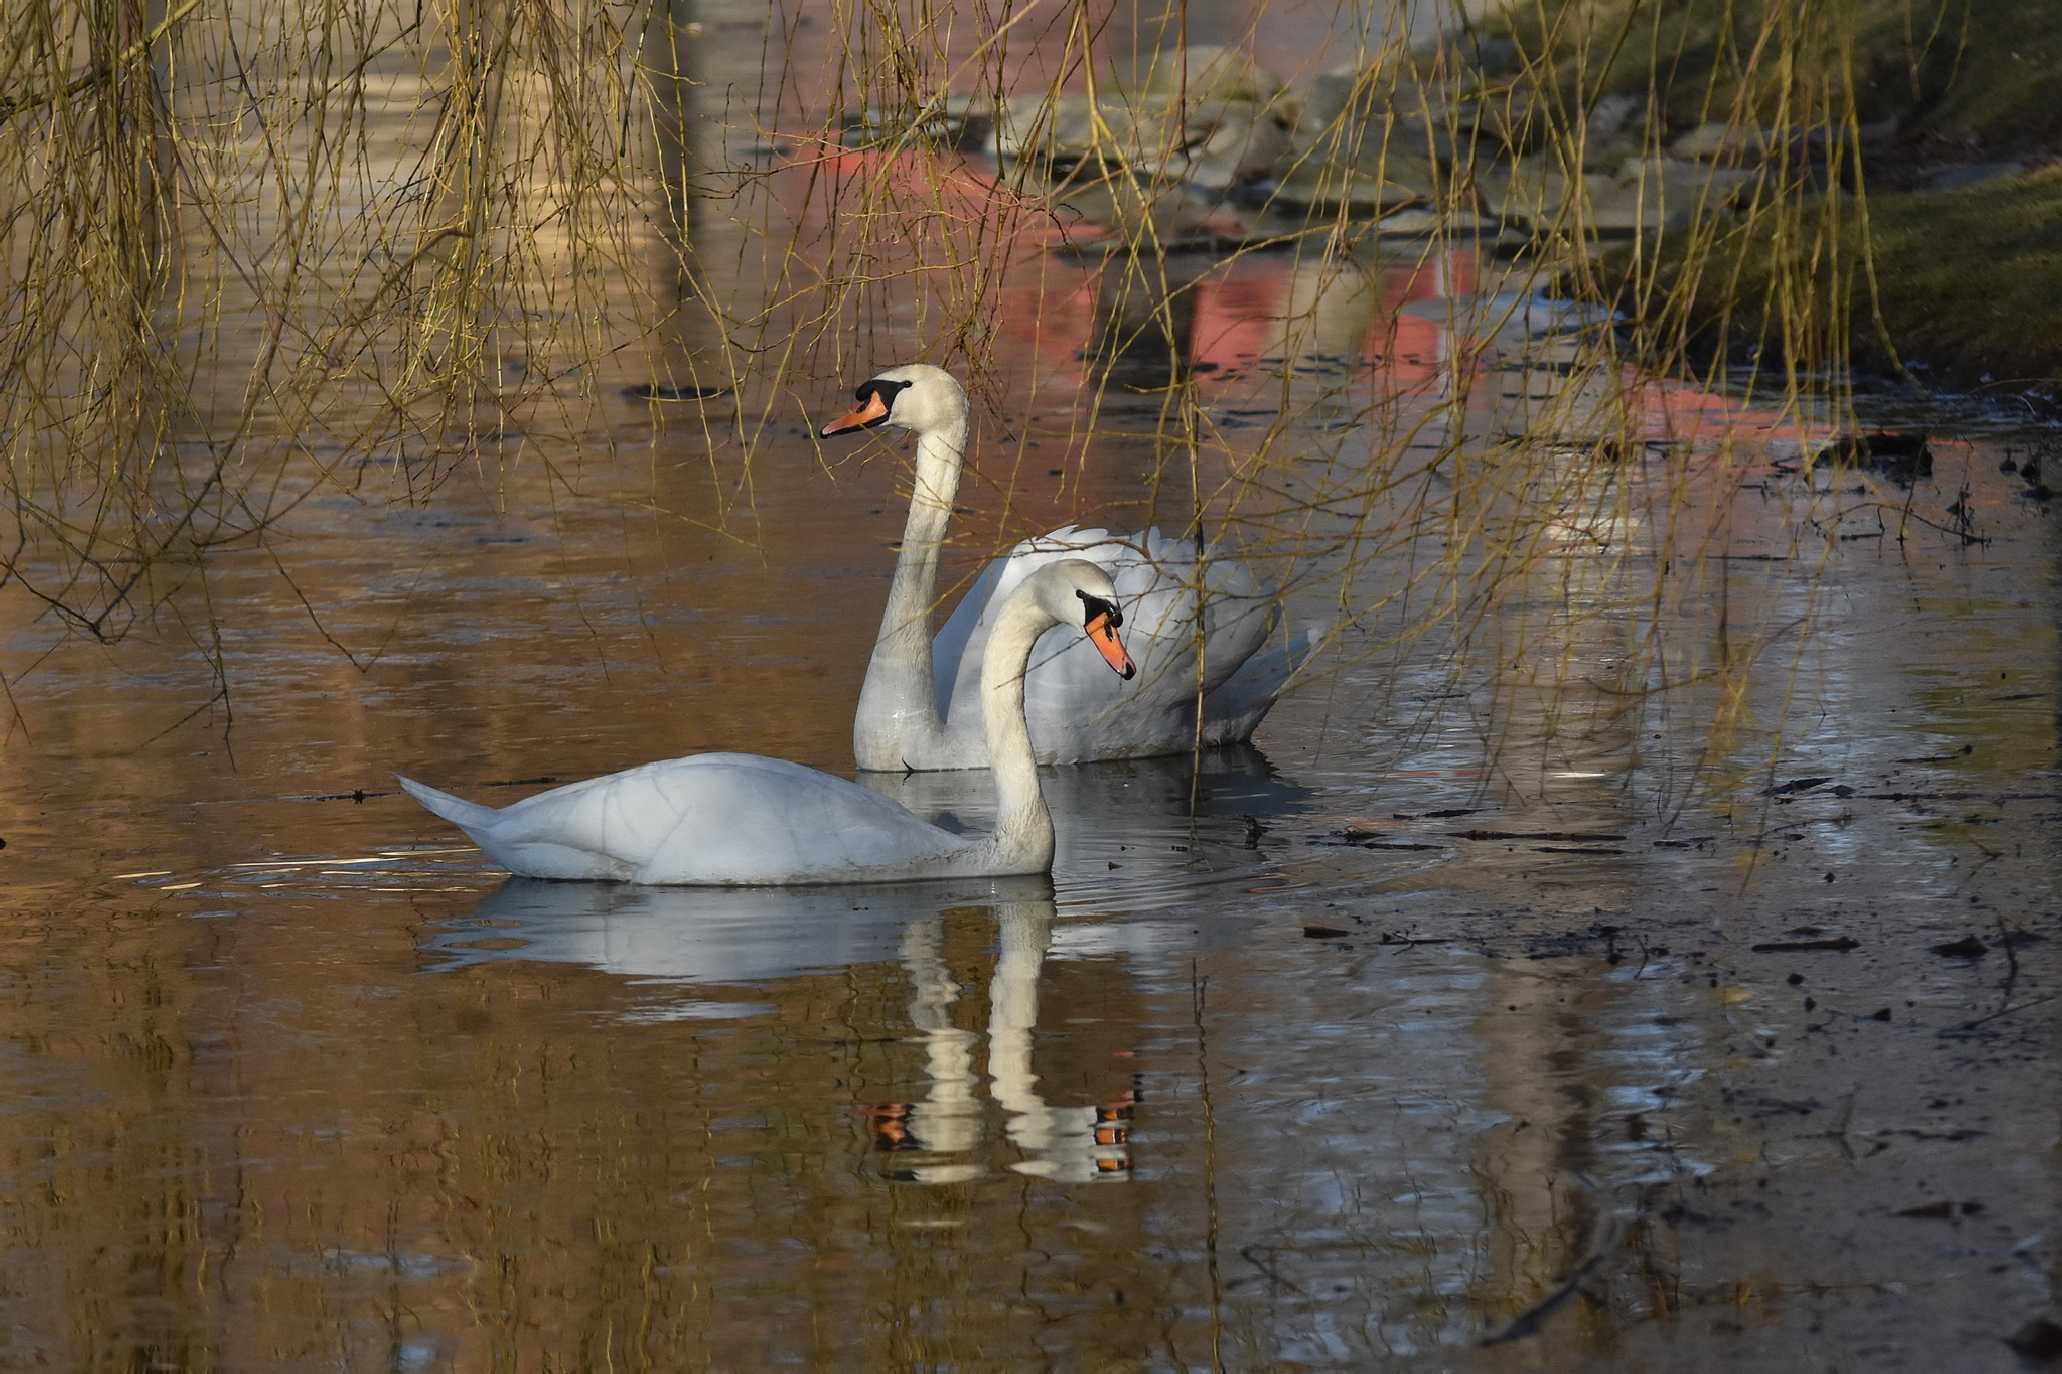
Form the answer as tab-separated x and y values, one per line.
1161	592
1002	577
712	818
956	652
949	649
1076	707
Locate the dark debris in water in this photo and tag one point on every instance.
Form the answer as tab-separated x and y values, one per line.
1794	786
1968	947
1839	944
1902	456
2039	1340
1565	836
1940	1211
1948	757
652	391
1362	835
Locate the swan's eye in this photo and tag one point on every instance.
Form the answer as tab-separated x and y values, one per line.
1094	606
880	389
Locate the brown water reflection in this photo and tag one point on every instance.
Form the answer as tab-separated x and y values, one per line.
294	1080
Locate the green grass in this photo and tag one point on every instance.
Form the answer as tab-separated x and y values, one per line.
1967	284
1961	77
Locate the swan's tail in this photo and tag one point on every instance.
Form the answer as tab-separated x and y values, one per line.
467	816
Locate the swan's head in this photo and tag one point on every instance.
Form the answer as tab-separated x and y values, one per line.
1075	591
915	396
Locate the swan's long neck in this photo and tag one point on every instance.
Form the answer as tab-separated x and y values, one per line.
1023	827
898	703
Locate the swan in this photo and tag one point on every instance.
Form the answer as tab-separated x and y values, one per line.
742	820
907	721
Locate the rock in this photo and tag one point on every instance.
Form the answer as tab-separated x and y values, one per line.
959	121
1220	128
1535	193
1718	142
1383	189
1490	55
1510	115
1137	210
1211	74
1681	180
1616	121
1218	147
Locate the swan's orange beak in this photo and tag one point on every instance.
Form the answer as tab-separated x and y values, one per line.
869	414
1102	632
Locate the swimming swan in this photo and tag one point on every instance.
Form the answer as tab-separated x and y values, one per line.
906	720
743	820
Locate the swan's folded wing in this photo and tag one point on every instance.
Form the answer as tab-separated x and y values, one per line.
721	818
956	652
1156	581
966	628
1158	590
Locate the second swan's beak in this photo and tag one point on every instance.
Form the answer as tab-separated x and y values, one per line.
871	412
1102	632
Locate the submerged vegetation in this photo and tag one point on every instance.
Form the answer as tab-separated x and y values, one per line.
263	259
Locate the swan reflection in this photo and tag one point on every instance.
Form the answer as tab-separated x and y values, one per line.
1071	1144
948	1132
1126	836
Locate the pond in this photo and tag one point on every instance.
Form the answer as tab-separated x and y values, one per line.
1556	980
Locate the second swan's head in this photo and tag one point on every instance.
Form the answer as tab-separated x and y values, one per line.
1075	591
915	396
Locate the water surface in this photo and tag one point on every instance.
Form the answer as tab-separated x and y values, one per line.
1434	1017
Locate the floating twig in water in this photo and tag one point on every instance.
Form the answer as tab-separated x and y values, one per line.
1840	945
1527	1323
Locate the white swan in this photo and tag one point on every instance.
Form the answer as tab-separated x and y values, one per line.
743	820
906	721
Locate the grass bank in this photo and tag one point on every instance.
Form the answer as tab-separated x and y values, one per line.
1965	291
1948	106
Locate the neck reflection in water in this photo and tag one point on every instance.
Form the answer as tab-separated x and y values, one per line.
1073	1144
941	1129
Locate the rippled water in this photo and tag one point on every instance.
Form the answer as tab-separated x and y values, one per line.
1437	1008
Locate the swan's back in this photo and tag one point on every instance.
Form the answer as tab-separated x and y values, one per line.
733	819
